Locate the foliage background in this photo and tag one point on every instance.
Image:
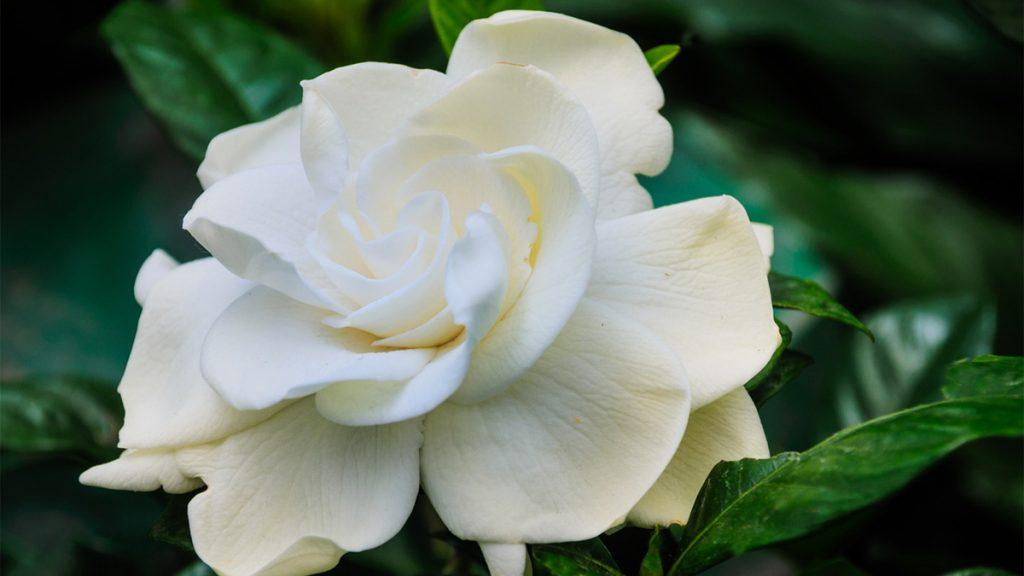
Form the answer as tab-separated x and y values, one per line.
883	138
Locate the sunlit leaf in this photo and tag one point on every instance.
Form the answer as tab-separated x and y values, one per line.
660	57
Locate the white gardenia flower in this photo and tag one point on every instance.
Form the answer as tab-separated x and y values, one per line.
448	280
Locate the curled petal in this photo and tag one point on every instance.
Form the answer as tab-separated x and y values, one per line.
605	70
567	450
266	348
505	559
504	106
156	266
694	274
256	223
291	495
272	141
166	399
141	471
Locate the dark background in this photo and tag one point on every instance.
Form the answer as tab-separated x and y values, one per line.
882	138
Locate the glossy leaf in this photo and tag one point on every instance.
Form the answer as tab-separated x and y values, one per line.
985	376
750	504
807	296
786	369
204	72
56	414
660	57
451	16
916	342
587	558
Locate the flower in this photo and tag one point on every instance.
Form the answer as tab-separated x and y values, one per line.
448	279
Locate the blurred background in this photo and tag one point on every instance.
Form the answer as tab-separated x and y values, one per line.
881	138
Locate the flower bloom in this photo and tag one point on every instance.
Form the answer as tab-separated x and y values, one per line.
448	280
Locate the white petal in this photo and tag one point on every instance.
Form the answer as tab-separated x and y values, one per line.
256	224
727	429
477	276
505	559
272	141
289	496
141	471
363	403
694	274
370	100
567	450
604	69
505	106
561	268
324	147
156	266
167	401
266	348
766	239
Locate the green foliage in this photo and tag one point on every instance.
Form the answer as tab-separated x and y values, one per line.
660	57
172	527
783	367
916	342
807	296
755	503
981	375
587	558
202	72
451	16
60	414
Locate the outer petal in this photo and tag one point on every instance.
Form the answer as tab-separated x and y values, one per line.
141	471
256	223
694	274
369	102
561	269
727	429
266	348
289	496
567	450
606	70
505	106
167	401
766	239
506	559
156	266
272	141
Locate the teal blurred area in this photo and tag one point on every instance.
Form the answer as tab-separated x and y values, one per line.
881	138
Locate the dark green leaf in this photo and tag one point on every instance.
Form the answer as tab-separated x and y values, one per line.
172	527
786	369
1006	16
451	16
755	503
57	413
587	558
985	376
661	551
660	57
204	72
905	367
807	296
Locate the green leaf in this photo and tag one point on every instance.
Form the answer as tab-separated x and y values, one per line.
660	57
916	342
204	72
750	504
807	296
451	16
172	527
587	558
60	413
661	551
783	367
985	376
980	572
1006	16
784	370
